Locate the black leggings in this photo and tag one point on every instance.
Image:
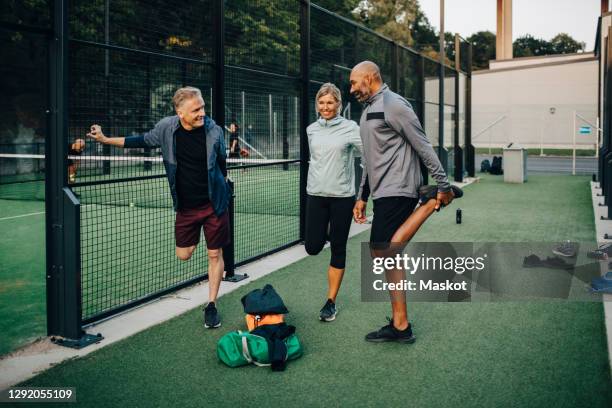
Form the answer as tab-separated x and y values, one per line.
335	212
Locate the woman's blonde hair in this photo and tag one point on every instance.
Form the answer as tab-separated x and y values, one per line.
329	89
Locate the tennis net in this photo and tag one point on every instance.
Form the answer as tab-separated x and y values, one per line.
265	186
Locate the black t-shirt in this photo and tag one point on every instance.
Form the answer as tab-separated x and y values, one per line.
192	171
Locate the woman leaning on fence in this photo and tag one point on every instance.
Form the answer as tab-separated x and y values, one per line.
333	141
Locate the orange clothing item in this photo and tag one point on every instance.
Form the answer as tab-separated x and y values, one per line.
254	321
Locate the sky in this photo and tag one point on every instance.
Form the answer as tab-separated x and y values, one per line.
540	18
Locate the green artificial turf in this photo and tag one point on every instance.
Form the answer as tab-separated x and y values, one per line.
511	354
22	273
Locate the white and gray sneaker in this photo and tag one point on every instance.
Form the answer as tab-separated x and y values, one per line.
567	249
328	312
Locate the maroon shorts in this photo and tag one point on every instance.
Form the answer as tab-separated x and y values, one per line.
189	222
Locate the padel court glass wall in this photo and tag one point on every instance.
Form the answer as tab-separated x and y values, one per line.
110	223
603	50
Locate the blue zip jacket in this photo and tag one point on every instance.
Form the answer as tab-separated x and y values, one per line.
164	135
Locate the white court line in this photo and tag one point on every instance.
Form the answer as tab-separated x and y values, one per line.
21	216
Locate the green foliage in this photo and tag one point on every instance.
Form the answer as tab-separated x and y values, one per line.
344	8
392	19
528	46
264	36
564	44
483	49
35	13
423	34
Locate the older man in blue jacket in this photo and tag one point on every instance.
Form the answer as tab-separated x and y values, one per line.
193	151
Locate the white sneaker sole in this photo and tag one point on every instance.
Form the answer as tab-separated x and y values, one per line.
562	254
328	319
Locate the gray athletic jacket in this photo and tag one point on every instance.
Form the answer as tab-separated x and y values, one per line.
393	141
333	144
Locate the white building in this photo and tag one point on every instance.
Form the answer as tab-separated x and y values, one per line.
548	101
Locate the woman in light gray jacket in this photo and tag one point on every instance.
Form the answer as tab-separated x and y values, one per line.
333	141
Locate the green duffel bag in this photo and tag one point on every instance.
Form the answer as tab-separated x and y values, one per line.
240	348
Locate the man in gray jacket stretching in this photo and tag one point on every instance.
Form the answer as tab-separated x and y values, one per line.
393	143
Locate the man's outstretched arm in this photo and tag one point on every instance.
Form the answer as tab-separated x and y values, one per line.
96	134
149	139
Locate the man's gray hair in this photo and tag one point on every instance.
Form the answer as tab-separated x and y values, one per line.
185	93
329	89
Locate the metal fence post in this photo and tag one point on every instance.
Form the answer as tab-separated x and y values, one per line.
218	96
421	68
229	254
395	70
470	156
442	54
458	150
305	117
63	276
218	108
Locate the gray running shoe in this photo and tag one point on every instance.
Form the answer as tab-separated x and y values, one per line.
328	312
566	249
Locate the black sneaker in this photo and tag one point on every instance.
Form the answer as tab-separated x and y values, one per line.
211	316
328	312
430	192
390	333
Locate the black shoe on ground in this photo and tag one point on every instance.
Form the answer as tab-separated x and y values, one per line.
211	316
390	333
328	312
430	192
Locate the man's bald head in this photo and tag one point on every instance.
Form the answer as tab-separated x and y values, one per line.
365	80
368	68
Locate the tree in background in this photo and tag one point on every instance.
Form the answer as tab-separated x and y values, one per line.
483	49
564	44
343	7
404	22
423	35
528	46
392	19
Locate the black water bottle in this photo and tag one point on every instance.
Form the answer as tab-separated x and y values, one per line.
458	217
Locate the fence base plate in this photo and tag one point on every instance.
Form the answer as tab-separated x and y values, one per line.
85	340
237	277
